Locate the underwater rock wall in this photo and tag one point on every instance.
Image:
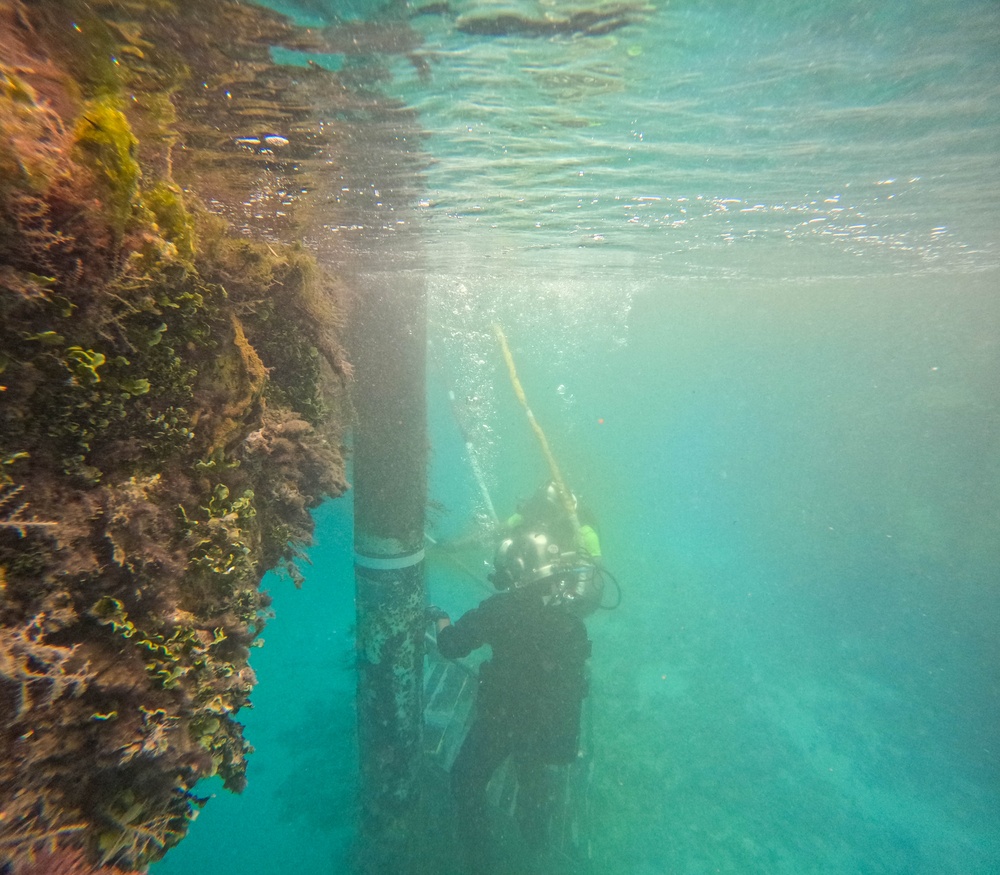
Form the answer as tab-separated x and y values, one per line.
171	402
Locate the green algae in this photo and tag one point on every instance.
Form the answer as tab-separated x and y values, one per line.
166	201
168	420
105	143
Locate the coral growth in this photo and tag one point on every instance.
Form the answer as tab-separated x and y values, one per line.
168	417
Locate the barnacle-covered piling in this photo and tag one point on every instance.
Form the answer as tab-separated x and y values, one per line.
390	450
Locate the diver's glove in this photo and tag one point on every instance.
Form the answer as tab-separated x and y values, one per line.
432	613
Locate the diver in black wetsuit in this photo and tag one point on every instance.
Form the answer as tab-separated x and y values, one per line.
530	692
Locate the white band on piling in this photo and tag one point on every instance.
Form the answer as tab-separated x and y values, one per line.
388	563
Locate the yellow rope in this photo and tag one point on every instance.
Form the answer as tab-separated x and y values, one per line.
564	494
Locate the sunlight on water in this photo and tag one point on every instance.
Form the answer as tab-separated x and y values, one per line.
704	126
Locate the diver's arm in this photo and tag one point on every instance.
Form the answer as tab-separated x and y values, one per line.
460	638
590	543
439	618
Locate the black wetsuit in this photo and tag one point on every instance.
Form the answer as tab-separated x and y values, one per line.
528	705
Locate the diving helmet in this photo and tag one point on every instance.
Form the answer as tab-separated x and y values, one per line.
573	581
522	560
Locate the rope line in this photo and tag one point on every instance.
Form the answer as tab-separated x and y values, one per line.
565	496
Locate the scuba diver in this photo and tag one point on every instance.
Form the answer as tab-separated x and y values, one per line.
531	691
546	511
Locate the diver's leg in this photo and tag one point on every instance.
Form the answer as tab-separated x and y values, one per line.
534	803
486	746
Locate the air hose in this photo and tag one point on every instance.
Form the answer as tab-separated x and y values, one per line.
470	449
477	471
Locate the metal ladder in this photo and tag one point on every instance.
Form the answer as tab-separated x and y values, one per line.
449	697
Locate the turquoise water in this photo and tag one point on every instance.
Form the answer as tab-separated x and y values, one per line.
747	259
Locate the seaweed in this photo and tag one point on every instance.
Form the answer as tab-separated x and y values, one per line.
169	414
